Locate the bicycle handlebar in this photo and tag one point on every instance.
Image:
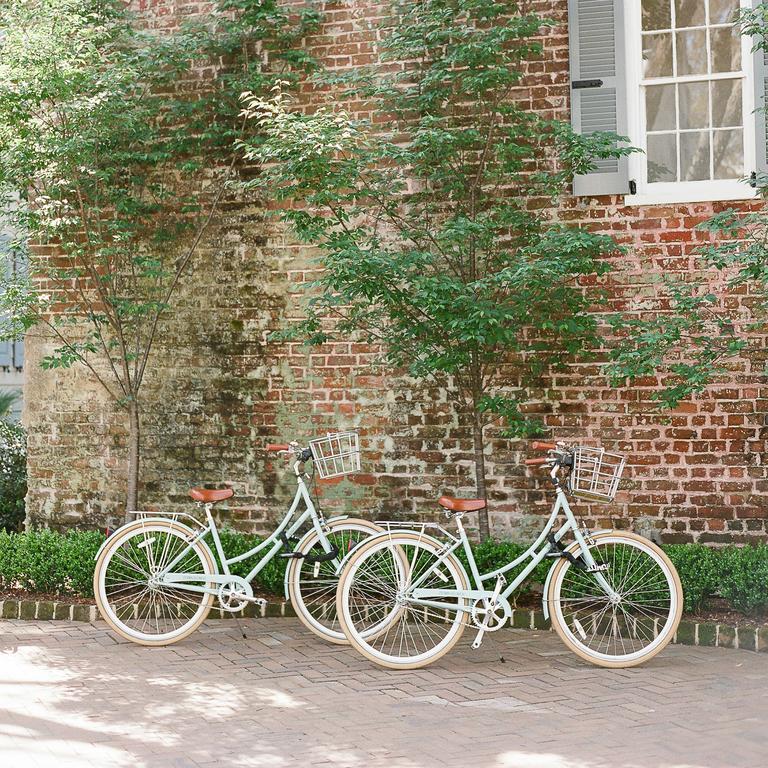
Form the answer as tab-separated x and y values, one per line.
539	446
541	460
274	447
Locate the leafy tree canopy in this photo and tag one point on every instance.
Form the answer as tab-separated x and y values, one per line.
436	218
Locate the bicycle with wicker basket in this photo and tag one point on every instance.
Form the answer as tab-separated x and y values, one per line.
614	598
157	577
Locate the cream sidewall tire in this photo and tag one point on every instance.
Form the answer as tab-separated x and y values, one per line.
564	635
351	636
97	579
294	570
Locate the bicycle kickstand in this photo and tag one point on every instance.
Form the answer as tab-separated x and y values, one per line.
489	606
240	627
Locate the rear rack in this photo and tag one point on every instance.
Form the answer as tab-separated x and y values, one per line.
395	525
189	520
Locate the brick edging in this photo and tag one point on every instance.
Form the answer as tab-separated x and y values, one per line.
703	634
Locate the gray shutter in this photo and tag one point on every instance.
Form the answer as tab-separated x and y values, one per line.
761	116
599	86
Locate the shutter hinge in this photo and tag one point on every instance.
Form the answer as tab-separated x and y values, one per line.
586	84
753	179
632	187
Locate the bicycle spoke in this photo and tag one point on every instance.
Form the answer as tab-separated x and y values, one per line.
142	608
377	605
625	623
313	585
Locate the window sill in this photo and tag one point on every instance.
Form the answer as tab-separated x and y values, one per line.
694	192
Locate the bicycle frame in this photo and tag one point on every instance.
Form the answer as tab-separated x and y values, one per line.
273	544
536	553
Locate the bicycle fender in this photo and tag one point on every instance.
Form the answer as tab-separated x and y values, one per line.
303	539
187	530
570	548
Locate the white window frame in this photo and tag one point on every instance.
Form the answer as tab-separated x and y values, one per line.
681	191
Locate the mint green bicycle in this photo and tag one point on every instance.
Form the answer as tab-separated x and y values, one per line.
156	578
614	598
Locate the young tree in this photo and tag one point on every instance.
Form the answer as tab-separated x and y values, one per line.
436	219
122	159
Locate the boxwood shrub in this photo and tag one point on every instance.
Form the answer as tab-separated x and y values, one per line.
49	562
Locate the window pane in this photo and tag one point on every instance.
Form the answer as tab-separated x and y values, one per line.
656	14
726	103
689	13
726	49
694	105
694	156
729	155
660	108
662	157
657	55
722	11
692	52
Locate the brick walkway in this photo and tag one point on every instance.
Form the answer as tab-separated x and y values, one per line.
72	696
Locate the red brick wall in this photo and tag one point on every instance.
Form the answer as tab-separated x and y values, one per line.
221	390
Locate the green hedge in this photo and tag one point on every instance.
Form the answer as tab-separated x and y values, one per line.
45	561
13	475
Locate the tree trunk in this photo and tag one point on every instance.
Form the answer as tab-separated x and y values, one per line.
134	443
477	437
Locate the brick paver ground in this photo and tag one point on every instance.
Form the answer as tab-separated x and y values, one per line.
74	696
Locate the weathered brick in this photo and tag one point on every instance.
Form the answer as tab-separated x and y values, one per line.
686	633
726	636
62	611
707	634
217	390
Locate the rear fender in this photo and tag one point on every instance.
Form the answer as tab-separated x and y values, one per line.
184	528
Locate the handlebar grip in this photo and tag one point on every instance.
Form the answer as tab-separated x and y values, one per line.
541	460
277	447
538	446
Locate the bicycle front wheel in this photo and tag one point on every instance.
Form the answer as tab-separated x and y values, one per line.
379	612
637	621
129	599
312	585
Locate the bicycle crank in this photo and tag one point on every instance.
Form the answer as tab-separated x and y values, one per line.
494	611
232	599
488	619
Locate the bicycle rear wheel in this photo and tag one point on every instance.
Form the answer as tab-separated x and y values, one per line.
377	611
128	598
630	628
312	586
